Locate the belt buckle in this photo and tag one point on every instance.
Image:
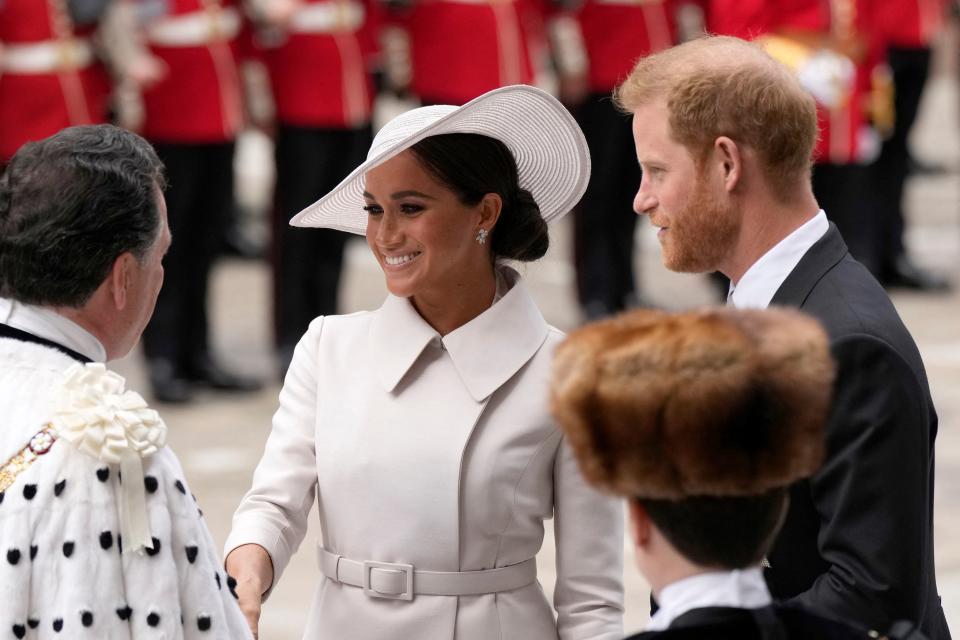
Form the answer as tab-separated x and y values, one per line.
407	569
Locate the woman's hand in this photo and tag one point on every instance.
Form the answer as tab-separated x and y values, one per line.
251	566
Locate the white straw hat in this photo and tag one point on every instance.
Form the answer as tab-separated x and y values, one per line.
551	153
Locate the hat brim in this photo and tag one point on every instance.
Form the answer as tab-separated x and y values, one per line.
551	152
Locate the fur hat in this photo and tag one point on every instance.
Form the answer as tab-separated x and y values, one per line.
716	402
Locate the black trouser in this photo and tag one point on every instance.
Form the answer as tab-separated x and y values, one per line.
840	190
199	196
888	174
307	262
604	221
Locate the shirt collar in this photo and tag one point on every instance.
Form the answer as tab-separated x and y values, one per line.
743	589
486	352
45	323
761	281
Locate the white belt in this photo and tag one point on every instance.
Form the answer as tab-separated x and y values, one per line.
48	56
328	17
484	2
402	581
630	2
194	29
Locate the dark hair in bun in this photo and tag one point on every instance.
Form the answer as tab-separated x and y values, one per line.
473	165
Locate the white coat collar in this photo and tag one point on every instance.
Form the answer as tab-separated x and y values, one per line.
486	352
48	324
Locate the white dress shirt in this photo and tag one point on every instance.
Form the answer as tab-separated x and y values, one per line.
765	276
744	589
48	324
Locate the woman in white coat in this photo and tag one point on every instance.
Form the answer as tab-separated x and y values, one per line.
422	428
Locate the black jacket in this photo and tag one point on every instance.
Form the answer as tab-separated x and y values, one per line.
857	543
778	622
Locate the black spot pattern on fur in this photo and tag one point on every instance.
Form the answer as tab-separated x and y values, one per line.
124	613
180	487
19	630
59	487
232	585
203	623
29	491
86	618
103	474
33	551
13	556
33	623
68	549
58	625
216	576
156	548
150	484
153	619
106	540
191	553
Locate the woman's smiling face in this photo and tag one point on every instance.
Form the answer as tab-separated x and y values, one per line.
422	235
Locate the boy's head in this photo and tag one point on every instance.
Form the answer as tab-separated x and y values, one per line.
701	420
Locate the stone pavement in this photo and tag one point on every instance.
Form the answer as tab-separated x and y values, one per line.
220	438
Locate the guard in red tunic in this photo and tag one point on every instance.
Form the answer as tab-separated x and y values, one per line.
595	47
192	116
317	53
50	77
909	27
459	49
834	46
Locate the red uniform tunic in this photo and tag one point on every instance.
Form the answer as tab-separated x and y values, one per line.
318	67
910	24
36	104
617	32
199	99
463	48
841	128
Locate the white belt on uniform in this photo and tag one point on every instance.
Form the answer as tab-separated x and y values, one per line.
327	17
402	581
194	29
484	2
48	56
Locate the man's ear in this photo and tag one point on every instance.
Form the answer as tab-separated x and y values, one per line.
120	279
729	155
640	524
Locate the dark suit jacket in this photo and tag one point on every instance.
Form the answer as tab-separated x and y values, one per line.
857	543
769	623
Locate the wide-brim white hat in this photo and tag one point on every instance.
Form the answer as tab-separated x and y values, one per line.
551	153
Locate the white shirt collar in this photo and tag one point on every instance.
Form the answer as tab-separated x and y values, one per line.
486	351
744	589
45	323
764	277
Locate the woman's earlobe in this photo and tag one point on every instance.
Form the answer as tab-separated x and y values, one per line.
490	209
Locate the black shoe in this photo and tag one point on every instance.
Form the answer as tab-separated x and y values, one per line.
918	167
211	375
237	244
167	386
905	273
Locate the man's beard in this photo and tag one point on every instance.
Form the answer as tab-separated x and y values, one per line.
701	235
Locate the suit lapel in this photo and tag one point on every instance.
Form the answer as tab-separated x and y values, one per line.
822	256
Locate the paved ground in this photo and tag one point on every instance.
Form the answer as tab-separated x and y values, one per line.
220	438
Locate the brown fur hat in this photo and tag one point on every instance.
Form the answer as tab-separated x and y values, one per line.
716	402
